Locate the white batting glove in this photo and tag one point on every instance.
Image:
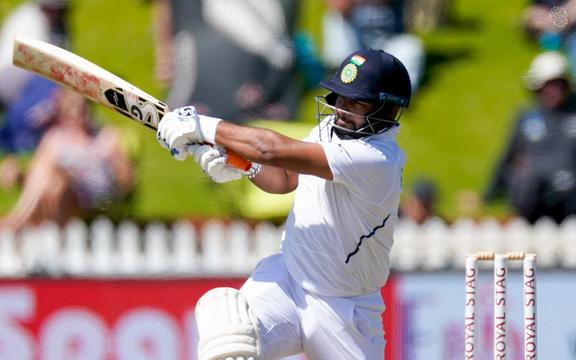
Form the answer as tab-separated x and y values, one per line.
183	127
212	160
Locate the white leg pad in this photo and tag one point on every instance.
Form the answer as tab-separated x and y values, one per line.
227	329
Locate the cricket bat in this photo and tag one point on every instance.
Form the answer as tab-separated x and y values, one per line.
97	84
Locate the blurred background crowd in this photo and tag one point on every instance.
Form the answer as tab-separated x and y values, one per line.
491	132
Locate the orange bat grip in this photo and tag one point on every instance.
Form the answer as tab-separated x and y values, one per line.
238	161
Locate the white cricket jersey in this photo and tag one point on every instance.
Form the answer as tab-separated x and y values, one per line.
338	234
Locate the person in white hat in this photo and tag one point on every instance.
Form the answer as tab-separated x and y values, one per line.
537	171
545	67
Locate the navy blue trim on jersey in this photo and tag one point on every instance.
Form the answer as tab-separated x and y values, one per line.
366	237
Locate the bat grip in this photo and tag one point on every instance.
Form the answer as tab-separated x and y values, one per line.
238	161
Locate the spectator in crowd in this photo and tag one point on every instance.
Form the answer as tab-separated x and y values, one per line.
537	170
425	16
40	19
420	203
233	58
26	99
28	117
378	24
75	170
552	24
26	120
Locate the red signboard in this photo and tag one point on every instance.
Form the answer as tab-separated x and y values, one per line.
109	320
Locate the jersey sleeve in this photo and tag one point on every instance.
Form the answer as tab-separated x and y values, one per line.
365	169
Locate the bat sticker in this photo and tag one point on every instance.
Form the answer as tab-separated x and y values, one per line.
134	106
116	98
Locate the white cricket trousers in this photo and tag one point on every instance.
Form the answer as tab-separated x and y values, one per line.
292	320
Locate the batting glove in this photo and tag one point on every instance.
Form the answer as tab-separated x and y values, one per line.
183	127
212	160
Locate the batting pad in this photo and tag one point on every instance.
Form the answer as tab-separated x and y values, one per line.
227	329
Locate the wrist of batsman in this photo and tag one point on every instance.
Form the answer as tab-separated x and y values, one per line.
253	171
208	127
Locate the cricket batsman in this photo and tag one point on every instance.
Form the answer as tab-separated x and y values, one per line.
321	294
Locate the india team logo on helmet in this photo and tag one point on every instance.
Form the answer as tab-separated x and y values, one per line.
350	71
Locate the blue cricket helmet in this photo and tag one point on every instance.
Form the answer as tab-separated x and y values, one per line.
373	76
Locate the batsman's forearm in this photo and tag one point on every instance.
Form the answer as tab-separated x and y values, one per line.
275	180
255	144
268	147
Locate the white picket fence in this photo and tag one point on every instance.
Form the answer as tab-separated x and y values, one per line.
128	250
101	249
436	246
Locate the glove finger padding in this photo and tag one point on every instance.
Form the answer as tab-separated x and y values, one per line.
178	141
178	129
179	149
206	153
212	160
222	173
161	140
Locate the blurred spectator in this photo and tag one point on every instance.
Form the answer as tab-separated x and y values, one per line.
26	119
425	16
233	58
28	116
537	171
26	99
552	24
40	19
378	24
75	170
420	203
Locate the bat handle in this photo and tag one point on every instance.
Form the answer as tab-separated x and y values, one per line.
238	161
